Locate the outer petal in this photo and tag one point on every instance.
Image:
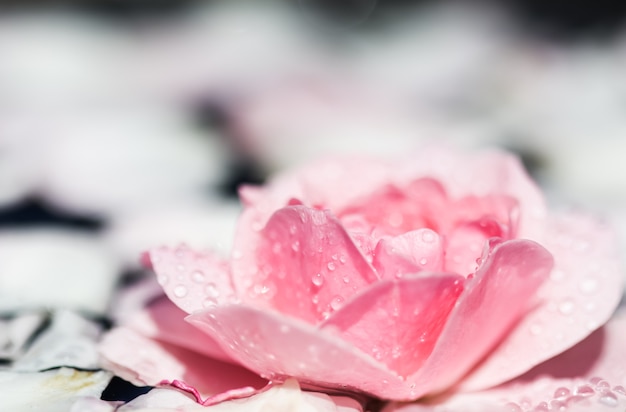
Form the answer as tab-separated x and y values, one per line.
591	376
192	280
277	347
281	398
499	294
304	264
143	361
582	292
162	320
398	322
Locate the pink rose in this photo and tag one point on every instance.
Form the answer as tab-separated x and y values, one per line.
398	279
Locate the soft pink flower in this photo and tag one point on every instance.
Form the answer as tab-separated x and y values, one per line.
398	279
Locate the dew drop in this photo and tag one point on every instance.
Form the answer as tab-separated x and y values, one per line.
608	399
428	236
423	261
180	291
293	229
513	407
343	258
336	303
237	254
541	407
566	307
162	279
346	279
317	279
277	248
557	405
584	390
620	389
315	299
561	393
331	266
535	329
197	276
209	303
588	286
295	246
211	290
181	268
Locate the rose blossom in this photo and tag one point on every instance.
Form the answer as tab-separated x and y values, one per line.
398	279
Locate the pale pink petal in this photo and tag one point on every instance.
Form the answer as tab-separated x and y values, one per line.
144	361
499	294
164	321
192	280
398	322
409	253
591	376
277	347
581	293
304	264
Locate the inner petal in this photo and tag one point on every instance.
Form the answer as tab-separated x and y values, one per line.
412	252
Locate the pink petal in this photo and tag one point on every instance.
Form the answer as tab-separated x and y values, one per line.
499	294
306	262
398	322
163	320
394	210
581	293
480	173
464	248
277	347
144	361
192	280
409	253
588	377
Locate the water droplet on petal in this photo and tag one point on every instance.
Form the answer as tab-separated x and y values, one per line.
295	246
588	286
566	307
336	303
197	276
209	303
428	236
513	407
423	261
180	291
211	290
620	389
608	399
293	229
561	393
237	254
317	279
162	279
541	407
181	268
343	258
584	390
331	266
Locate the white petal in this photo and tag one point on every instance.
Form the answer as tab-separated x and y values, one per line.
52	391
